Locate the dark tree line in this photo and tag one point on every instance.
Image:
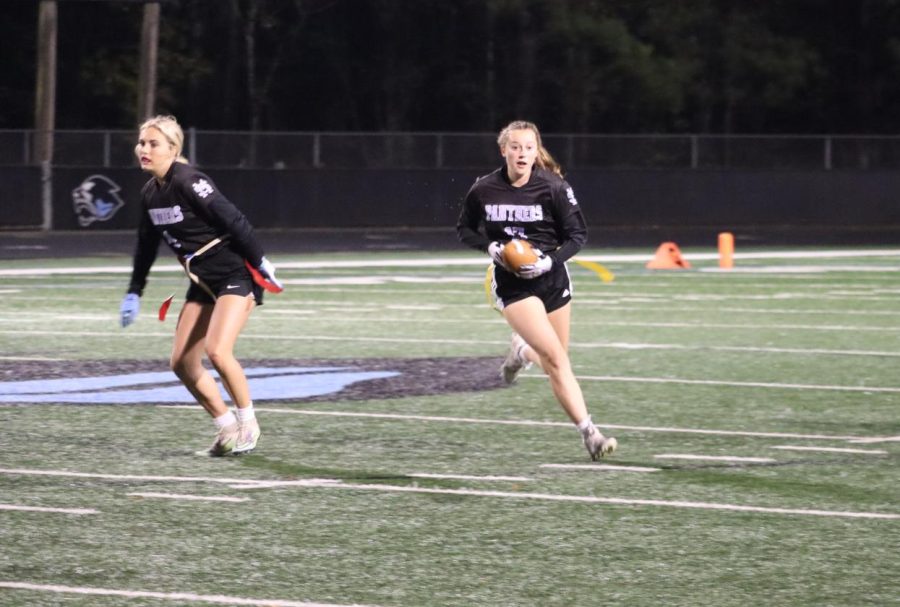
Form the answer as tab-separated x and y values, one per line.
607	66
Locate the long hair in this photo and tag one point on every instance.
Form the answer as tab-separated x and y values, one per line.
545	159
171	130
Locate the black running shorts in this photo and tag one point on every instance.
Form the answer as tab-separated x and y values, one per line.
553	288
223	273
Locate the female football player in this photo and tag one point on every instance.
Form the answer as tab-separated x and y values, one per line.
212	239
528	199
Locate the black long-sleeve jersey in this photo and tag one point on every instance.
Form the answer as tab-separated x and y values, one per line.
544	211
188	211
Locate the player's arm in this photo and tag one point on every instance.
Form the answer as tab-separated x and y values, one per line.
570	223
228	219
145	252
224	216
469	222
144	255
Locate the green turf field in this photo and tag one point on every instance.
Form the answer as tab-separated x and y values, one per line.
756	412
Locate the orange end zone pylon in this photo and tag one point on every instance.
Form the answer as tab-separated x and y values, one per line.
668	257
726	250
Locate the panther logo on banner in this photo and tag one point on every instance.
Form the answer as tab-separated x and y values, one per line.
96	199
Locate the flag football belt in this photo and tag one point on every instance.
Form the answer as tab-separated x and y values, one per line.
186	264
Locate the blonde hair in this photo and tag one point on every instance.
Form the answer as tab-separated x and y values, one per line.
170	129
545	159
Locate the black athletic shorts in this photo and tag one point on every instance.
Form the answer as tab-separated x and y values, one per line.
223	273
553	288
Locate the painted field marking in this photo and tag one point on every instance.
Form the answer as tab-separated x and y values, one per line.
587	499
601	467
333	484
442	262
876	439
469	477
485	342
830	449
509	422
168	596
735	384
198	498
716	458
121	477
48	510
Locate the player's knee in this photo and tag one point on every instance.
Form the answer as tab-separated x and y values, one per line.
217	355
554	361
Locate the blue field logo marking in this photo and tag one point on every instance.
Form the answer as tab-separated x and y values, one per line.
266	383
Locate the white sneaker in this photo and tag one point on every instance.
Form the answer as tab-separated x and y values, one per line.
225	441
514	363
598	445
248	436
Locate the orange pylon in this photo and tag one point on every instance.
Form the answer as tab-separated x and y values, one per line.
668	257
726	250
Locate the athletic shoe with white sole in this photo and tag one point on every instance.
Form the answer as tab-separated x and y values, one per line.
598	445
225	441
248	436
515	362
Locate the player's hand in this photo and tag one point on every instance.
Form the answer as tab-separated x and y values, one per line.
128	311
495	250
268	272
533	270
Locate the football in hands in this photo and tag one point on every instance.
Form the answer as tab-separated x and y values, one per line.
517	253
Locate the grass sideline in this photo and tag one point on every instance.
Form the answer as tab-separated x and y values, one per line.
786	366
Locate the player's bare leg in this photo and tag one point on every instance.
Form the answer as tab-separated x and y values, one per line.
228	319
187	363
229	316
187	357
547	336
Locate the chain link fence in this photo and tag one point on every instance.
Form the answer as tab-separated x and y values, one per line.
346	150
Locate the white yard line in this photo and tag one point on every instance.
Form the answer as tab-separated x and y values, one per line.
830	449
587	499
121	477
509	422
19	508
601	467
179	597
196	498
716	458
735	384
473	342
332	484
876	439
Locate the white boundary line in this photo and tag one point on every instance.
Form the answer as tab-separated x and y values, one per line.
49	510
169	596
443	262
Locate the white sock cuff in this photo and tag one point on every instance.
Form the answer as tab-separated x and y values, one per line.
585	424
225	420
245	414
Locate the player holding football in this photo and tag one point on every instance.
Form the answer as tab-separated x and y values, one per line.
528	199
212	240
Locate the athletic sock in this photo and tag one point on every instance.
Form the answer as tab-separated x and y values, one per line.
225	420
585	425
245	414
